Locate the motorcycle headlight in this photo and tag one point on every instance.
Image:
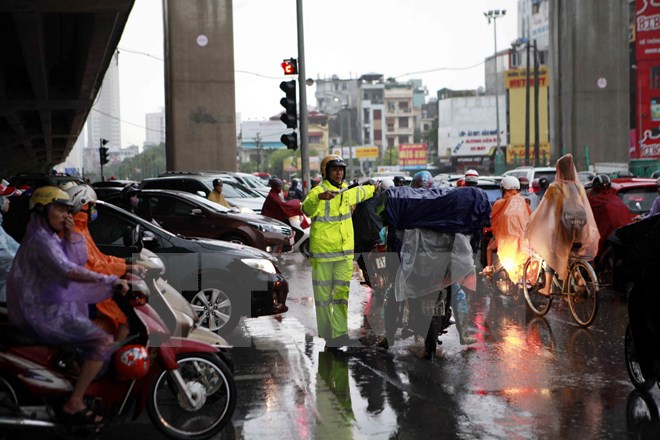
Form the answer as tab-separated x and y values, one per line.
260	264
267	228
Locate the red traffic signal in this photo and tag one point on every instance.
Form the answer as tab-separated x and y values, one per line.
290	66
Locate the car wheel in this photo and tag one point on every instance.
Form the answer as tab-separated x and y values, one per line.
217	309
237	239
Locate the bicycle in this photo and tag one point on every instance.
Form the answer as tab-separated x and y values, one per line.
580	288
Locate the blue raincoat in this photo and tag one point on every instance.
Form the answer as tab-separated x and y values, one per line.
8	249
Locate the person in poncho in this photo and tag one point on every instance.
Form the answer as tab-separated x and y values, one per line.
510	217
609	210
546	234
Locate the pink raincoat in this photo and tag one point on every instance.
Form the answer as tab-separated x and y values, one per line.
545	233
45	302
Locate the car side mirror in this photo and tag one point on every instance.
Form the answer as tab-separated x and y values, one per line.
201	194
148	237
196	212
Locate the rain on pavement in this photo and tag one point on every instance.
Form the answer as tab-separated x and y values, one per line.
526	377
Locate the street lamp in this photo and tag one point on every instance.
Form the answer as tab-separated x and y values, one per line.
499	154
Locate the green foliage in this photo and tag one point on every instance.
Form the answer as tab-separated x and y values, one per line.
276	161
150	163
248	167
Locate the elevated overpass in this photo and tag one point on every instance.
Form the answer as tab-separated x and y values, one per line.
53	56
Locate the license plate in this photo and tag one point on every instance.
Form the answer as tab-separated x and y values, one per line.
381	262
431	307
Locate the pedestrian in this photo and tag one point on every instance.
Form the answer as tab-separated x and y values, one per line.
563	217
294	191
216	195
655	208
130	197
531	198
329	205
510	217
544	183
609	211
49	290
8	246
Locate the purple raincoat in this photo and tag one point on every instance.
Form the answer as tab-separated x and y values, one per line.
44	301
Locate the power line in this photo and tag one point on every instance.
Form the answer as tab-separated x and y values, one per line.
126	122
440	68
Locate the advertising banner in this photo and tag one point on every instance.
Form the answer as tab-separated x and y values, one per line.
412	156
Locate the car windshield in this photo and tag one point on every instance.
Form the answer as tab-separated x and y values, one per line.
207	203
233	190
638	200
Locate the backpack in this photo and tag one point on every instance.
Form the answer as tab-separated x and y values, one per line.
573	215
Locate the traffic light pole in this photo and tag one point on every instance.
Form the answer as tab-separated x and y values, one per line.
302	83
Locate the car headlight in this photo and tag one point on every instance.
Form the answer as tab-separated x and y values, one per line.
260	264
267	228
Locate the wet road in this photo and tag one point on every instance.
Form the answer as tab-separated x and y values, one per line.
526	377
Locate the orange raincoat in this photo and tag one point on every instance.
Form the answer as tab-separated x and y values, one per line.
509	221
545	233
99	262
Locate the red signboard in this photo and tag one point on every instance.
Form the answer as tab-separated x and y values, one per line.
412	156
647	53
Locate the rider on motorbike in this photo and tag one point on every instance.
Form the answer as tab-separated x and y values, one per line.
49	290
510	217
276	207
609	210
108	315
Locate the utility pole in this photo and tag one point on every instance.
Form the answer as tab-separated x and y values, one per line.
537	135
527	109
257	142
304	139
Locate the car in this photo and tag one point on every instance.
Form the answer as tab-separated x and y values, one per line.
16	219
251	181
655	174
223	281
191	215
586	176
201	183
532	173
636	193
107	187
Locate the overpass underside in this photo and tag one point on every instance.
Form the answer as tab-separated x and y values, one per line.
53	56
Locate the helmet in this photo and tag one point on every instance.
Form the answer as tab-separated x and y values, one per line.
535	185
46	195
524	182
81	195
543	182
132	361
460	182
386	183
471	177
510	182
294	182
129	191
276	183
601	182
8	191
422	179
399	181
331	161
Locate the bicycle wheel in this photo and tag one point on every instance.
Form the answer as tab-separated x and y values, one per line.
533	280
582	292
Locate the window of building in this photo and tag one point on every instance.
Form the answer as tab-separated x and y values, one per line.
403	122
391	107
378	135
378	114
314	139
403	139
366	116
403	105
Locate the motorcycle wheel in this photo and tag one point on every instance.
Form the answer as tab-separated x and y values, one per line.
643	382
431	341
214	391
641	413
304	248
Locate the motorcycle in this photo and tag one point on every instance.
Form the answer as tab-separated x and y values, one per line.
638	244
498	280
301	228
186	388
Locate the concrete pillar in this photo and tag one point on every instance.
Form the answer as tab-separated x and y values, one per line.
200	109
589	80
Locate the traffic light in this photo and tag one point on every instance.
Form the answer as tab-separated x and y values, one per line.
290	115
290	66
290	140
103	152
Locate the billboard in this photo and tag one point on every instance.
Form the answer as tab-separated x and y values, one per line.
412	156
645	141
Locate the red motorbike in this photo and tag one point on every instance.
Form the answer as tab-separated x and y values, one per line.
186	388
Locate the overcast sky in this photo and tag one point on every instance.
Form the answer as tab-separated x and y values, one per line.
442	42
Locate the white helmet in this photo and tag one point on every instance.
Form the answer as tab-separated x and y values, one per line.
471	176
81	195
386	183
510	182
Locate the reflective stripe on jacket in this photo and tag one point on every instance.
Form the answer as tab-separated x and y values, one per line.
331	236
